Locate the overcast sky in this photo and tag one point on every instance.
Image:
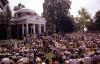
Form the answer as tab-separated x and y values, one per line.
36	5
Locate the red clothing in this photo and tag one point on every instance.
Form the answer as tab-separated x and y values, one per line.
55	62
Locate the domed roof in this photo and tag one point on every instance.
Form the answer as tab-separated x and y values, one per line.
25	10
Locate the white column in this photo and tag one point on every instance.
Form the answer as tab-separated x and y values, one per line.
22	29
39	28
27	31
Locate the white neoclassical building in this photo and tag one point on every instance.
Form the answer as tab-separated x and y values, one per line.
25	22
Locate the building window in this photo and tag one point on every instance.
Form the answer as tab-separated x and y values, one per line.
37	18
19	14
35	14
23	14
28	13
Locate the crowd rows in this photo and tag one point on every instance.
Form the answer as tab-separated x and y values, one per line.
75	48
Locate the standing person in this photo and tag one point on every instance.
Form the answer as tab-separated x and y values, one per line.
45	45
87	60
47	61
55	61
73	60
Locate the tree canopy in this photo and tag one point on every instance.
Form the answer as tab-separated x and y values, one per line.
5	16
56	13
19	6
96	24
83	19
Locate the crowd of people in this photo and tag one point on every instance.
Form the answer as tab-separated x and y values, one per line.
75	48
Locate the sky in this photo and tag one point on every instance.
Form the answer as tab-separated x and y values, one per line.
37	5
91	5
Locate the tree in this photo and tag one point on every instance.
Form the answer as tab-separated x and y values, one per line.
19	6
55	12
83	19
96	24
5	16
8	20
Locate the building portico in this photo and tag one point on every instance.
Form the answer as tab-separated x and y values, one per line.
32	28
29	23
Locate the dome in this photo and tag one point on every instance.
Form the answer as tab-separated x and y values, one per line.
25	10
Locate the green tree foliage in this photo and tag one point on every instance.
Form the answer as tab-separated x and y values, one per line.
56	13
19	6
5	16
96	24
3	3
83	19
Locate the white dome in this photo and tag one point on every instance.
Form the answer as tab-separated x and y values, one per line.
25	10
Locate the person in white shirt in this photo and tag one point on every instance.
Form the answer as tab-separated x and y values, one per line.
5	60
87	60
72	61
